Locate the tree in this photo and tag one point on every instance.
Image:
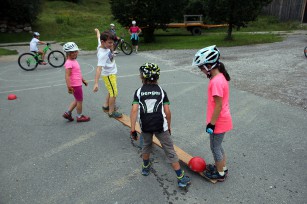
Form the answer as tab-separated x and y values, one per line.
20	11
149	14
234	12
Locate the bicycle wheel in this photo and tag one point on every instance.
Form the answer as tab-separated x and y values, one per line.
305	51
126	48
56	58
27	61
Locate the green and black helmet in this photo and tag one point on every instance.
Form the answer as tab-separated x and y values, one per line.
150	71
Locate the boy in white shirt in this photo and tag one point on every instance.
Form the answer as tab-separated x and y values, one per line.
106	67
34	46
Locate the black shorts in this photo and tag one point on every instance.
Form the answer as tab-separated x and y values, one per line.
134	42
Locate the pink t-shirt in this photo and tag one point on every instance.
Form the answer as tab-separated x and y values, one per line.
76	75
134	29
218	86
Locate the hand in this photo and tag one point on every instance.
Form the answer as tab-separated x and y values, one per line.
70	90
95	89
84	82
134	135
210	128
96	30
170	131
48	44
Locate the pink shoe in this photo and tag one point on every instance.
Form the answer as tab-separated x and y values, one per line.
68	116
83	118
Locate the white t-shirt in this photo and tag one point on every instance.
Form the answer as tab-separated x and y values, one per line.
33	45
106	60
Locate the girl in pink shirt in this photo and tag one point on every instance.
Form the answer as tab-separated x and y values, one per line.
218	118
74	80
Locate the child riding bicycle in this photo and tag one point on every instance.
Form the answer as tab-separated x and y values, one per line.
34	47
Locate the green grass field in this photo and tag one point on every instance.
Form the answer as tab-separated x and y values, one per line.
64	21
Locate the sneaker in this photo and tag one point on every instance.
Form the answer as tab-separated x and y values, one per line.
42	62
68	116
115	114
212	168
146	169
83	118
215	176
183	181
107	108
116	52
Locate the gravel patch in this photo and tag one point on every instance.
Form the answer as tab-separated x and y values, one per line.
277	71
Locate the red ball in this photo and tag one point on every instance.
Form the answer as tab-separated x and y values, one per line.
11	97
197	164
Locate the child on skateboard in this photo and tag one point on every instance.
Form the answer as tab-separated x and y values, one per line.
106	67
218	118
74	82
151	104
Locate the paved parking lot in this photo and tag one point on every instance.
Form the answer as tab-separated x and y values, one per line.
45	159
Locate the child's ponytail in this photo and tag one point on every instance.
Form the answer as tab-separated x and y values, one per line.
223	70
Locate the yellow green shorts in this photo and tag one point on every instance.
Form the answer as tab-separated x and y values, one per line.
111	85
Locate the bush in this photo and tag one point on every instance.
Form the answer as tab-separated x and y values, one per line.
20	11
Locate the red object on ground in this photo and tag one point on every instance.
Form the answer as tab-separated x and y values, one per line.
11	97
197	164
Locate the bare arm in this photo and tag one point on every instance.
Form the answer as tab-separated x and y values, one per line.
97	33
67	78
133	116
168	115
217	109
98	74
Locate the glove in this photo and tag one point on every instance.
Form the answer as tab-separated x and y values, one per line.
84	82
134	135
210	128
48	44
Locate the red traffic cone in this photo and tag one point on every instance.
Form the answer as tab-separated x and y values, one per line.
11	97
197	164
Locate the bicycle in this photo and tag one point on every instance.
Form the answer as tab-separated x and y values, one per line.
124	46
29	61
305	51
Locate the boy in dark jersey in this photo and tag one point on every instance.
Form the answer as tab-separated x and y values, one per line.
151	104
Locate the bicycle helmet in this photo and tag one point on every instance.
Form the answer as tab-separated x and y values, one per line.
150	71
112	25
70	47
133	22
207	55
36	34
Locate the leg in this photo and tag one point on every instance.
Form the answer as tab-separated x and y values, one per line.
147	148
111	104
72	106
218	154
111	85
106	103
79	107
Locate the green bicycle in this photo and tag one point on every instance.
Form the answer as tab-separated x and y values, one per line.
29	61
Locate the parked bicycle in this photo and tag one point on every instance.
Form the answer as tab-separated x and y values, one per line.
29	61
124	46
305	51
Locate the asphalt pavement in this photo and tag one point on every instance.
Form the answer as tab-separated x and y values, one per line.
45	159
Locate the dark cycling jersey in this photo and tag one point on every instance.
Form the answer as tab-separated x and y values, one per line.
151	98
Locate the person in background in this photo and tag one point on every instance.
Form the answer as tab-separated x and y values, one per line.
134	32
34	47
116	38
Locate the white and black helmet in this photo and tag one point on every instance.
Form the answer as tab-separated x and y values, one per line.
70	47
36	34
207	55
